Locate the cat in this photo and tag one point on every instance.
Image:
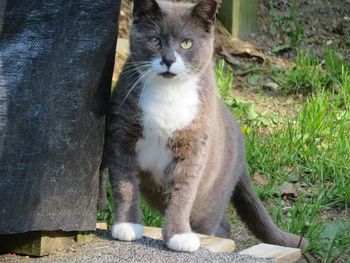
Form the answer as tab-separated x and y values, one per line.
170	138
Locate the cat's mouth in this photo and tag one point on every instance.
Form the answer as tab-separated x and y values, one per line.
167	75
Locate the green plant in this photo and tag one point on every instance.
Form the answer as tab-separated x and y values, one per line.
106	214
287	26
333	242
310	74
243	110
224	80
151	217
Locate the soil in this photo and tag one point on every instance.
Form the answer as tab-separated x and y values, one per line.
325	24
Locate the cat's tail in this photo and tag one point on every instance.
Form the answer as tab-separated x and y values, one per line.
253	213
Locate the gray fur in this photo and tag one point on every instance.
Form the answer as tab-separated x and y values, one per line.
209	168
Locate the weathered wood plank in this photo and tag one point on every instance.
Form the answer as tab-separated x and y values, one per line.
239	16
101	226
121	56
278	254
84	237
153	232
212	243
42	243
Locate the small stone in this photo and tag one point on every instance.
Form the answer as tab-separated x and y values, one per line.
272	86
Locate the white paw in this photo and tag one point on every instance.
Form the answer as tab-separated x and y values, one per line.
187	242
127	231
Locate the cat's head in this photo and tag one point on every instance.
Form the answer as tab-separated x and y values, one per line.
172	39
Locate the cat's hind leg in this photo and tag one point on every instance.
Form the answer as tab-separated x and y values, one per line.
208	215
224	229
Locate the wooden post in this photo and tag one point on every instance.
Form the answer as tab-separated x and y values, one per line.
56	66
239	16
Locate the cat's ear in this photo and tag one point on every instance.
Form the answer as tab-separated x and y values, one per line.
145	7
206	10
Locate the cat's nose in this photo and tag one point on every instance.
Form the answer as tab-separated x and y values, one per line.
168	59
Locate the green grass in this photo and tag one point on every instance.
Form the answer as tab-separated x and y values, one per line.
150	216
106	214
311	75
311	151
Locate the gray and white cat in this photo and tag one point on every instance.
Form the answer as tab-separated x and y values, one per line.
171	138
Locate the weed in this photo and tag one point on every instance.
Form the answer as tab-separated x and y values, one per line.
310	75
333	242
289	29
106	214
244	110
150	216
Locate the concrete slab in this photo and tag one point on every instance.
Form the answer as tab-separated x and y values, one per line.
278	254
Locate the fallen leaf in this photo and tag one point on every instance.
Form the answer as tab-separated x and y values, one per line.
287	190
272	86
259	179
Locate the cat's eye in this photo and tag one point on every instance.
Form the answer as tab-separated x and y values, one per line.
186	44
155	42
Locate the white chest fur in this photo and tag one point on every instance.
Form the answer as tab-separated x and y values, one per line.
167	105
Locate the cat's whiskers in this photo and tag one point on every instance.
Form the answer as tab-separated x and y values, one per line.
190	68
193	72
134	67
142	75
134	70
193	69
146	85
196	73
131	75
138	62
133	64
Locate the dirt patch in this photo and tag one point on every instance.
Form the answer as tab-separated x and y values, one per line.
322	23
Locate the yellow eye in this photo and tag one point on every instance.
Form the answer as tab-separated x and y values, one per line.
155	41
186	44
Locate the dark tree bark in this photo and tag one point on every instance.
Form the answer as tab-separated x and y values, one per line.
56	64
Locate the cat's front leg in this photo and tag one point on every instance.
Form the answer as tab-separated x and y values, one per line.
181	193
124	181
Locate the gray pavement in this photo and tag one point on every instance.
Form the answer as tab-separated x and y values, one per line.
146	250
